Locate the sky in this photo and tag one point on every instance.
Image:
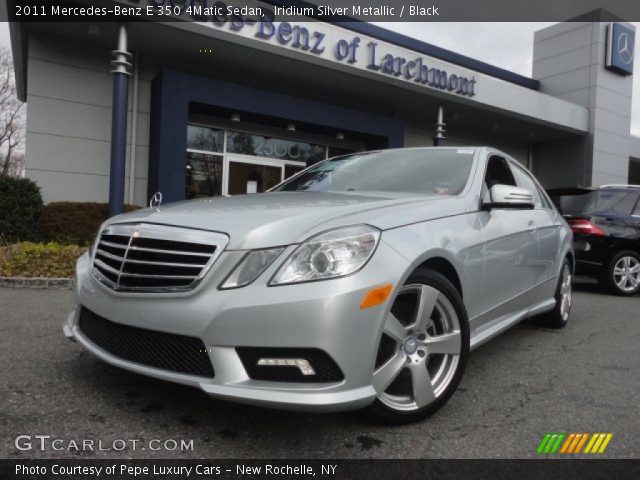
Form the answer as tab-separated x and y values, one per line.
479	40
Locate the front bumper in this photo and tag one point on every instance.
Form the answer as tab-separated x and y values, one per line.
323	315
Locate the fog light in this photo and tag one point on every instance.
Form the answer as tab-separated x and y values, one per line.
303	365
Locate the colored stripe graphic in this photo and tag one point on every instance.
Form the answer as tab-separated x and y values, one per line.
583	439
567	442
558	442
605	442
592	441
573	443
543	443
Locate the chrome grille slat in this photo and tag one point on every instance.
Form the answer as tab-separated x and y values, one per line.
109	255
100	264
176	252
112	245
154	258
149	262
167	264
142	275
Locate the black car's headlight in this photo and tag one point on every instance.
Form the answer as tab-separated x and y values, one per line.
332	254
250	267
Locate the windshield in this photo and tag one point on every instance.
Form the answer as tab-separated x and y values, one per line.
439	171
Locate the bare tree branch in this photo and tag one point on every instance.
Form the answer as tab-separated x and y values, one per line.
12	122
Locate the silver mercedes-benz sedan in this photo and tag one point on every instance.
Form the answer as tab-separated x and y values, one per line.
362	281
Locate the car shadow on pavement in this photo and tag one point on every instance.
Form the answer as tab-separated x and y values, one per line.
163	409
589	285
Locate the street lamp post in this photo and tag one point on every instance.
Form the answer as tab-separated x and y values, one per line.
120	104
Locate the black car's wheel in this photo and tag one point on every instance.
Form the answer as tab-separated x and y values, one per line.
559	316
621	274
423	349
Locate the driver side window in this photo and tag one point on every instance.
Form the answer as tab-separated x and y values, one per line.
527	182
498	172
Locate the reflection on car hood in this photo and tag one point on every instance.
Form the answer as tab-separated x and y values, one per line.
284	218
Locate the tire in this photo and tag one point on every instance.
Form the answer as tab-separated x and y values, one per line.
430	336
617	269
559	316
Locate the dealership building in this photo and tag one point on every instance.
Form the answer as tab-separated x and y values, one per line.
230	105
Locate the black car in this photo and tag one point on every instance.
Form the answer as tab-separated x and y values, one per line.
606	228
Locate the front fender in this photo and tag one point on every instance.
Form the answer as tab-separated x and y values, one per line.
457	239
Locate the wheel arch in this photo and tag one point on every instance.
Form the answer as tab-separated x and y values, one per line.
445	268
618	247
572	261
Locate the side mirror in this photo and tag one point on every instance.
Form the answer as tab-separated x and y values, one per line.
506	196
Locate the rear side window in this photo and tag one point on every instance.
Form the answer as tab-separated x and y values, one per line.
604	201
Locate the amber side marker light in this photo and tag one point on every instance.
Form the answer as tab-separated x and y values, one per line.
376	296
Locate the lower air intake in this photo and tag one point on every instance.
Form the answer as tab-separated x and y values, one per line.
166	351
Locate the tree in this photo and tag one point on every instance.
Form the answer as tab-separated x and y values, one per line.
11	119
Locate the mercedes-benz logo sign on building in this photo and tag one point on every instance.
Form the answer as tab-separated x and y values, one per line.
620	48
156	200
625	48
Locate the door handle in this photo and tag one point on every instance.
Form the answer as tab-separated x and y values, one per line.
532	227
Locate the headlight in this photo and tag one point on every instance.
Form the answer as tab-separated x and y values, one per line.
250	267
332	254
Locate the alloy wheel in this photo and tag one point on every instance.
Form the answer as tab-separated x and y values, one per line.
420	349
565	293
626	273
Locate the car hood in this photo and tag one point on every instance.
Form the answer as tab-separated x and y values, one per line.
284	218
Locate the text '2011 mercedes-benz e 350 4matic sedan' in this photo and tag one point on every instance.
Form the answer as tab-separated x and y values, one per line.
361	282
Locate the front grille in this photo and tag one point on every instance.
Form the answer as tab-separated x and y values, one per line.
167	351
146	257
326	369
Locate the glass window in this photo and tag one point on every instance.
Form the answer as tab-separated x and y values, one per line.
203	175
337	151
205	138
443	172
271	147
625	205
525	181
570	203
610	201
636	211
252	178
291	170
498	173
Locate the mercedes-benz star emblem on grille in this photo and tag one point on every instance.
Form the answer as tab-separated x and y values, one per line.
625	48
156	200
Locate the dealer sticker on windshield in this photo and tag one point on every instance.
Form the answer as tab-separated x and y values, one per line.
464	152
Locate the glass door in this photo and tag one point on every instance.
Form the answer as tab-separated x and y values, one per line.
254	175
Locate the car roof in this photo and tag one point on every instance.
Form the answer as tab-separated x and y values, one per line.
580	190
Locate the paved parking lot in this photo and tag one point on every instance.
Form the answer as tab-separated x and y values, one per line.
525	383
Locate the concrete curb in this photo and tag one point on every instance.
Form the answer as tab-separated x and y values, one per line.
38	283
